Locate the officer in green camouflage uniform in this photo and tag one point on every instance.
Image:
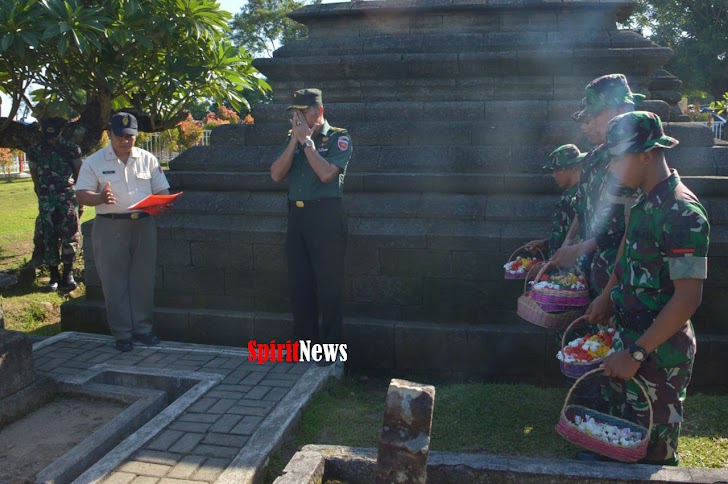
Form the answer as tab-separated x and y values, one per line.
600	200
314	159
659	281
565	164
54	165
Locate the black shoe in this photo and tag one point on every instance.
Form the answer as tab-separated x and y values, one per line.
67	282
52	285
589	456
146	339
124	345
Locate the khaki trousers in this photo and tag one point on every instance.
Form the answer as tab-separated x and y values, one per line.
125	252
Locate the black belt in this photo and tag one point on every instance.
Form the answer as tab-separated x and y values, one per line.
124	216
313	203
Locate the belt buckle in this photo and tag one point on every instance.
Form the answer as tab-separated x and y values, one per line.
299	203
134	216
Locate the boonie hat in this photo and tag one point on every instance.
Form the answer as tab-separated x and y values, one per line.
603	92
563	157
637	132
305	98
124	123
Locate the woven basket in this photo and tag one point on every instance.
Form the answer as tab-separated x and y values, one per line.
521	275
568	429
559	299
575	370
529	310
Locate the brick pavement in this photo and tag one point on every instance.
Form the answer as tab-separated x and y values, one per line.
226	435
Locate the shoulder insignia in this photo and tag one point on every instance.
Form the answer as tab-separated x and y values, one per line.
343	143
337	130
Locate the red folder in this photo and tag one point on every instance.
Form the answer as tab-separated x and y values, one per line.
153	203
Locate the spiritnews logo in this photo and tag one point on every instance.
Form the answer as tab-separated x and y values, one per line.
295	351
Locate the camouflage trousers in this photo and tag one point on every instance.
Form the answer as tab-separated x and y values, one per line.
58	216
601	268
665	376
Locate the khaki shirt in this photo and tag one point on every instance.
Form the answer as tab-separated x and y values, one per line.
140	177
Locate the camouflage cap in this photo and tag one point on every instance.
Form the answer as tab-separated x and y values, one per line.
636	132
305	98
52	127
604	92
564	157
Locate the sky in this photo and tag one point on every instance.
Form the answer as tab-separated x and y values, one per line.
232	6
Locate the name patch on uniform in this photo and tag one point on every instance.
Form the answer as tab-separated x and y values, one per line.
343	143
683	251
108	172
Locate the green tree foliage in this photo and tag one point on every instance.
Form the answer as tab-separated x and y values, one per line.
92	57
262	26
720	106
697	31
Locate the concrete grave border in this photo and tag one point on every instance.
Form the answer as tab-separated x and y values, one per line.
358	465
247	464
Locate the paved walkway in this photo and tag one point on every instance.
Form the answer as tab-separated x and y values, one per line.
225	435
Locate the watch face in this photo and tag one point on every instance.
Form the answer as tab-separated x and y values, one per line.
638	354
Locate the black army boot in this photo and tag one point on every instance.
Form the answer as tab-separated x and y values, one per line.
68	282
55	279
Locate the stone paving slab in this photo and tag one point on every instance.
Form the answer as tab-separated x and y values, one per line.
225	435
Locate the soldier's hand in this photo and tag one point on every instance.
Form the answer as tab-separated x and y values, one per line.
107	196
600	309
620	365
301	130
536	245
566	256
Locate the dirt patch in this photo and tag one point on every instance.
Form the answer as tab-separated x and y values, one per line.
30	444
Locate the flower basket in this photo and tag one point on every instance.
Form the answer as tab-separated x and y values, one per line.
568	429
529	310
563	299
524	270
575	369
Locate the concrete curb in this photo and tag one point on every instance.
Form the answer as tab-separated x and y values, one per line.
145	433
358	465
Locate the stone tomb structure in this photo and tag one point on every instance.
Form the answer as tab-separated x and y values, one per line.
453	107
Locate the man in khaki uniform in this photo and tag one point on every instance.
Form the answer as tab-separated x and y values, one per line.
124	242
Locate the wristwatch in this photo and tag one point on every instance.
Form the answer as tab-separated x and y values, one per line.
309	144
638	353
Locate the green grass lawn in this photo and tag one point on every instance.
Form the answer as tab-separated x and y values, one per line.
27	308
502	419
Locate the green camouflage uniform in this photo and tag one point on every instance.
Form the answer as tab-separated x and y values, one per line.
562	158
57	203
667	239
601	201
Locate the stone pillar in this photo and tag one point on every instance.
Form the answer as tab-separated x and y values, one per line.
405	440
16	362
16	352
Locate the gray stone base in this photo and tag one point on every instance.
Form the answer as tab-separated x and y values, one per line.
16	362
483	351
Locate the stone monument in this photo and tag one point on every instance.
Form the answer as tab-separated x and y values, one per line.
453	106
